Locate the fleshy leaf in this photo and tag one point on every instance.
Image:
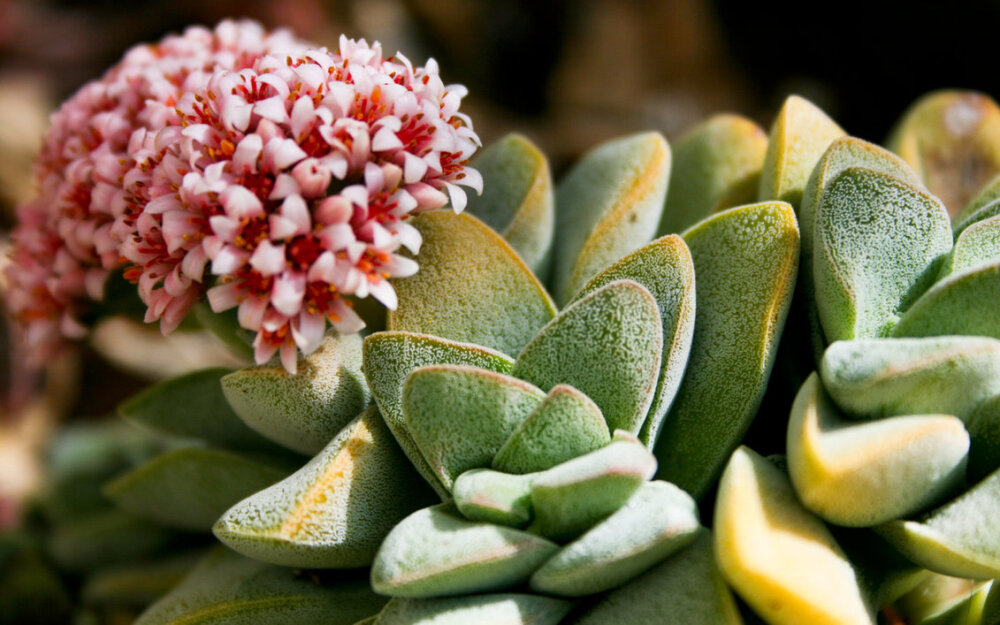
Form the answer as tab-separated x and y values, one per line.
608	345
952	140
665	268
494	497
494	609
779	557
984	437
518	199
657	521
472	287
977	245
943	600
745	260
106	538
862	474
965	303
460	416
799	135
565	425
389	357
190	488
138	584
334	511
607	206
303	411
885	575
875	378
228	588
435	553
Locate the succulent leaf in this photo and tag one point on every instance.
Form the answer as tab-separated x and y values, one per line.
984	439
494	497
884	573
334	511
977	245
138	584
607	206
943	600
964	303
745	260
518	199
105	538
472	287
493	609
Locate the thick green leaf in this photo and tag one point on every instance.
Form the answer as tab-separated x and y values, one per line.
607	206
190	488
965	303
494	497
885	575
977	245
495	609
608	345
984	437
228	589
460	416
745	261
435	553
303	411
517	200
138	584
334	511
943	600
565	425
665	269
878	245
799	136
106	538
389	357
472	287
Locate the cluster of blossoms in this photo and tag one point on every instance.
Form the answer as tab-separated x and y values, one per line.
248	167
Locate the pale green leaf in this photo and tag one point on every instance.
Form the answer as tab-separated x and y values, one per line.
964	303
494	497
977	245
494	609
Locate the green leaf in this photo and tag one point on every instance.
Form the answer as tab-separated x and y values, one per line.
517	200
494	497
863	474
436	553
138	583
657	521
799	136
565	425
460	416
106	538
745	261
226	588
778	557
607	206
977	245
943	600
334	511
495	609
884	573
190	488
665	269
965	303
984	439
303	411
608	345
716	165
389	357
472	287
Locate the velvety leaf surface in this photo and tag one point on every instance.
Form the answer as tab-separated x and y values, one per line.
984	437
106	538
190	488
716	165
879	244
799	135
565	425
607	206
435	553
863	474
472	287
665	269
226	588
460	416
303	411
494	609
608	345
657	521
494	497
518	199
138	584
977	245
389	357
779	557
965	303
334	511
745	260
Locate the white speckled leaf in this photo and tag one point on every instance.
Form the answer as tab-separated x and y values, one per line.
977	245
984	437
190	488
228	589
608	345
657	521
389	357
105	538
434	552
494	497
607	206
303	411
745	260
460	416
964	303
875	378
878	245
518	200
799	135
494	609
779	557
665	269
472	287
863	474
334	511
